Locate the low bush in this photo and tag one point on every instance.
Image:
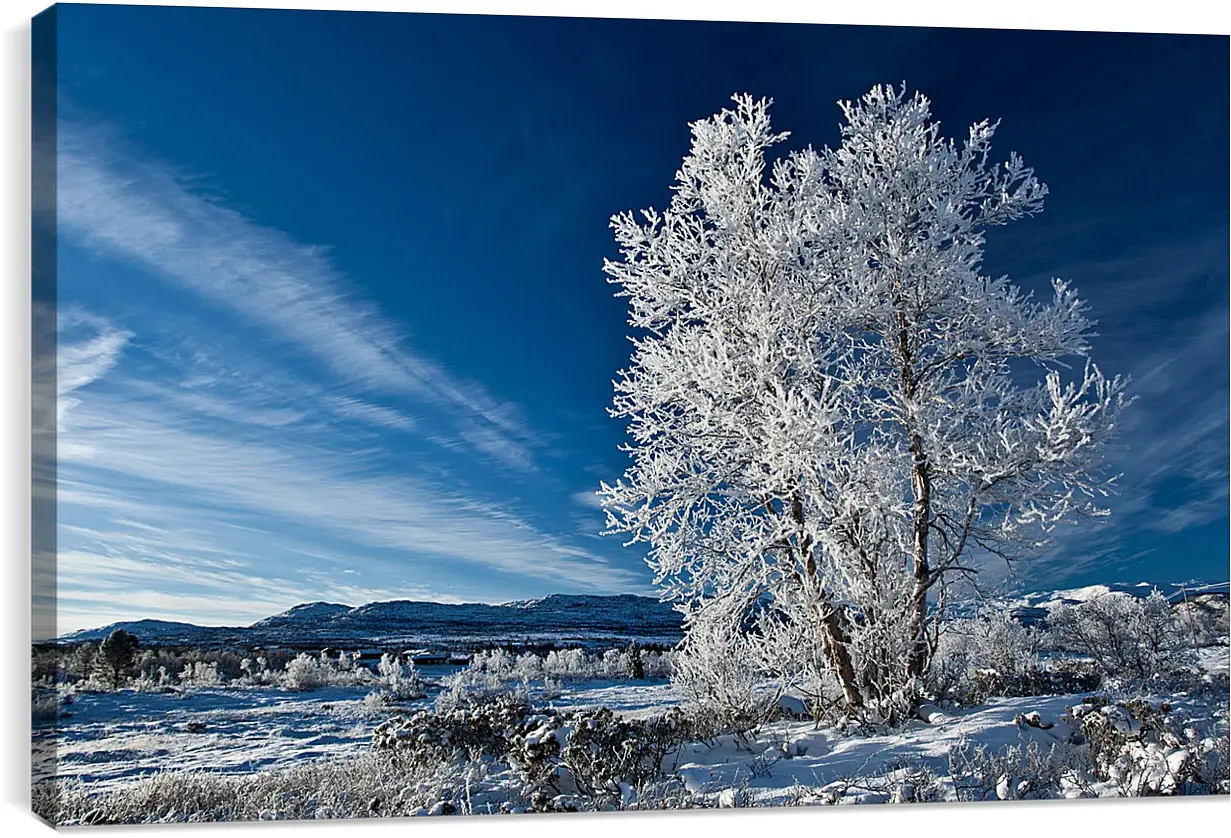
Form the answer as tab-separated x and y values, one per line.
1146	749
365	786
592	757
306	673
1125	636
605	754
399	681
161	669
718	674
988	655
904	782
1059	678
1019	772
45	705
1204	620
495	672
474	731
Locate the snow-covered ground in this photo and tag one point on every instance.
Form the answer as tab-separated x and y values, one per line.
1214	659
111	738
115	736
788	755
626	698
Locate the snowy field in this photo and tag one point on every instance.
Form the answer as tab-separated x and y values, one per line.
114	737
1116	696
793	762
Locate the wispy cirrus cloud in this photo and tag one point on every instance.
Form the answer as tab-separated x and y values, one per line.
590	500
324	490
222	476
80	362
162	492
374	414
1172	452
141	210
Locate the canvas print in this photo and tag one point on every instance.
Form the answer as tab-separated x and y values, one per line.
460	415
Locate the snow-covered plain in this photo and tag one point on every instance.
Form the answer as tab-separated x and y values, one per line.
116	736
201	744
113	738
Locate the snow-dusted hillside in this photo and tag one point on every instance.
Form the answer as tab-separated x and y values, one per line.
301	614
558	618
1035	606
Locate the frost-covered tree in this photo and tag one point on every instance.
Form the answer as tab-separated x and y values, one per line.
1126	636
400	680
833	411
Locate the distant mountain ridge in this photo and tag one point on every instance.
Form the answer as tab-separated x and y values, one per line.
558	618
561	619
1034	607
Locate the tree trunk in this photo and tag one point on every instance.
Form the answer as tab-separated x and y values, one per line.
917	659
837	650
836	639
921	482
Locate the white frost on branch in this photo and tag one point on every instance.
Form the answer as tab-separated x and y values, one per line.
825	396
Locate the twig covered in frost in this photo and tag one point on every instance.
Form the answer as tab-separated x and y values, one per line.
825	398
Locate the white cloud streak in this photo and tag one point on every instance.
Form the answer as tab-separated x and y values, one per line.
143	212
178	491
373	414
82	362
325	490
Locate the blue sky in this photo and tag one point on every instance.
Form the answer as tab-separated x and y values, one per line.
333	323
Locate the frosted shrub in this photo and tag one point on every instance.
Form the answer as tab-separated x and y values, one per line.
1030	772
477	728
605	754
160	681
399	681
582	760
200	674
377	703
902	782
471	685
44	705
528	667
255	672
1006	646
1145	749
1204	620
1126	636
371	785
616	663
306	672
989	655
716	672
493	671
489	674
659	664
570	665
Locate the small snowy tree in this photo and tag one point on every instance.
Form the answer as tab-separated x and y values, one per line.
1126	636
717	672
827	399
399	681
